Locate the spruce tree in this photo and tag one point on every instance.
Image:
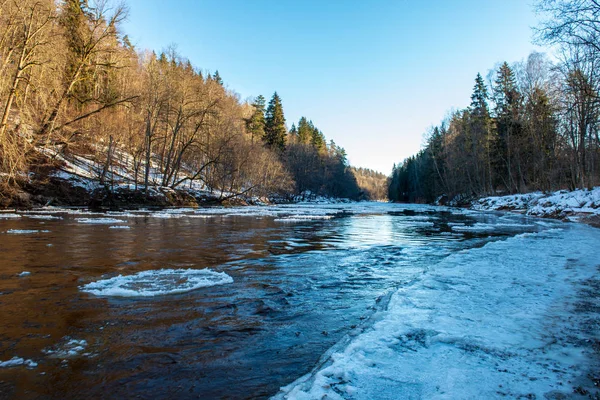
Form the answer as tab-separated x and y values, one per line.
317	139
305	129
478	142
507	109
256	123
275	130
479	106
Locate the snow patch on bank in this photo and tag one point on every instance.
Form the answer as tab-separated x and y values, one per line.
157	283
557	204
496	321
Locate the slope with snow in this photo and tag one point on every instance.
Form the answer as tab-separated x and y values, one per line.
557	204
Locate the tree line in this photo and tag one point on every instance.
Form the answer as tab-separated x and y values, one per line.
534	125
72	85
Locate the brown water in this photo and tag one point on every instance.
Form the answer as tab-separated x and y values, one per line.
298	287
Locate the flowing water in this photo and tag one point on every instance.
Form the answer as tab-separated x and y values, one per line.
283	284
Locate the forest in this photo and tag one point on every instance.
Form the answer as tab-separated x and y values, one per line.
73	87
531	125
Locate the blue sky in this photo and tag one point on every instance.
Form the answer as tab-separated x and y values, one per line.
372	75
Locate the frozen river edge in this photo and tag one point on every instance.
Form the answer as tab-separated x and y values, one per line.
513	318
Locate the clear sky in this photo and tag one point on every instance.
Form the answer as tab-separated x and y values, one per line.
373	75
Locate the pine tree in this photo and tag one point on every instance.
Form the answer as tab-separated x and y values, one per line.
256	123
275	130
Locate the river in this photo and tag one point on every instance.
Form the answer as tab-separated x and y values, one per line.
303	276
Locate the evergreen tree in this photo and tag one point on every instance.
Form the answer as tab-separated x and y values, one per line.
317	139
256	123
305	130
479	106
507	99
275	130
478	141
217	78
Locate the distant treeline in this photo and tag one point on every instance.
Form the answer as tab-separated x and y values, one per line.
72	84
534	125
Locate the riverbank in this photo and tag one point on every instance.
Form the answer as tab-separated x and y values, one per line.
67	189
580	205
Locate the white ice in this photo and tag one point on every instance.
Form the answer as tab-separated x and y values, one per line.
157	282
67	348
43	216
17	361
489	322
25	231
4	215
100	221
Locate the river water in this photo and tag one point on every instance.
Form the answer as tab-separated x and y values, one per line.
303	277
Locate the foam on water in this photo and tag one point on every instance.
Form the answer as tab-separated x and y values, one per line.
157	282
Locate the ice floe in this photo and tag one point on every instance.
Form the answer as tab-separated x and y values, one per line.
25	231
4	215
67	348
100	221
43	216
17	361
157	282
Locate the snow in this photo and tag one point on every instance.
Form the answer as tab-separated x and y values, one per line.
157	282
99	221
24	273
25	231
119	227
557	204
17	361
495	321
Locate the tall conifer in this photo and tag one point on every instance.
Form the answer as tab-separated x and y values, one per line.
275	130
